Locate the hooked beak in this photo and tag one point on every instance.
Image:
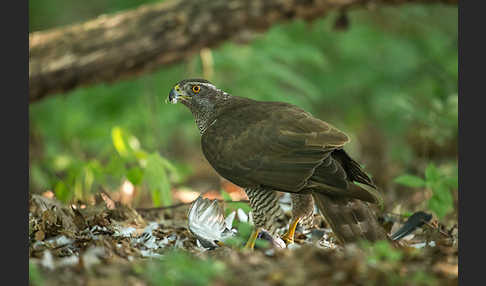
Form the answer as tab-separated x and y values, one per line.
175	95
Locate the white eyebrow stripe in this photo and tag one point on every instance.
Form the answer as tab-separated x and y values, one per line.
200	83
207	85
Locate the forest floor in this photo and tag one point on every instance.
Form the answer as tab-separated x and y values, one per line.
108	243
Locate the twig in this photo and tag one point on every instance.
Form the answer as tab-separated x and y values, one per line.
433	227
184	204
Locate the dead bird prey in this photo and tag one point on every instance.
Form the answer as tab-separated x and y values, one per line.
266	147
206	221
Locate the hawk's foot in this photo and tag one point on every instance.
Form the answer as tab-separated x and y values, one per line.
288	237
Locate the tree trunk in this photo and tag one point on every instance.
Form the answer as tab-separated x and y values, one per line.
111	47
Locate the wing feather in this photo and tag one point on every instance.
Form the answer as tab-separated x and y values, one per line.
276	145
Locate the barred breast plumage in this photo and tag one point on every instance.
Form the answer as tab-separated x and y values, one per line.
265	208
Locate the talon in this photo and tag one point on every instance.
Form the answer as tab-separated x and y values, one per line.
287	239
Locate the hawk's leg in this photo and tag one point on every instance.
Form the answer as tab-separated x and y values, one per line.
250	244
265	210
288	237
302	211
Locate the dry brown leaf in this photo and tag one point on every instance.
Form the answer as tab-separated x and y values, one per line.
446	268
40	235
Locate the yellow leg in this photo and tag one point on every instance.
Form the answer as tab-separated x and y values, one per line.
250	244
288	237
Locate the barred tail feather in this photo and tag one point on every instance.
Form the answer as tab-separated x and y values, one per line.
350	219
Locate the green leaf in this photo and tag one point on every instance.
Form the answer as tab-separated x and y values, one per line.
452	182
244	230
61	162
431	173
155	195
88	178
115	167
244	206
435	205
119	142
173	171
441	202
39	177
182	268
140	155
260	243
157	180
135	175
234	242
226	196
35	277
381	251
62	192
410	181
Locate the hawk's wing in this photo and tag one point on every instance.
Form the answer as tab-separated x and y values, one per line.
272	144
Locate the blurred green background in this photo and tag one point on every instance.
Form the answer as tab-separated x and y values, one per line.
389	80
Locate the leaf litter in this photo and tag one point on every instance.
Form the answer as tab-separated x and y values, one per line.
114	244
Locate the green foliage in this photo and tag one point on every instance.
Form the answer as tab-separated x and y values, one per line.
135	175
422	277
244	230
242	236
410	181
152	168
79	177
157	180
91	143
394	69
62	192
382	256
44	14
128	161
381	251
35	277
441	201
180	268
260	243
440	182
226	197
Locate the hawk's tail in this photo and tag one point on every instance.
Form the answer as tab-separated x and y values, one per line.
350	219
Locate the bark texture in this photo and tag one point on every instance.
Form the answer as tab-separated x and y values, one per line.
114	46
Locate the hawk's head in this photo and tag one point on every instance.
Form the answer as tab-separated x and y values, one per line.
204	100
196	94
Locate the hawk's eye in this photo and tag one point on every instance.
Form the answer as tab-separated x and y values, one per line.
196	88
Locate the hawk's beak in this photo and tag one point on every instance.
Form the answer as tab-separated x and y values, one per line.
175	95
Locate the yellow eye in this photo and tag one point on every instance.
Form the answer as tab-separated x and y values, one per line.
196	88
